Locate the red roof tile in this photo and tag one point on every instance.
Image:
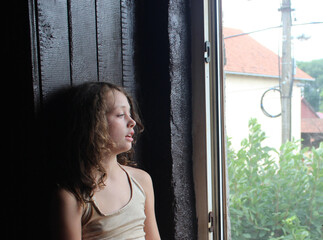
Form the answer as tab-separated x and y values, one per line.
310	120
245	55
312	125
307	111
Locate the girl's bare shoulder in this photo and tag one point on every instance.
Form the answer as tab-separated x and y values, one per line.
140	175
66	200
63	195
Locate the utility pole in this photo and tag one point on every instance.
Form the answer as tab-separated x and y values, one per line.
286	78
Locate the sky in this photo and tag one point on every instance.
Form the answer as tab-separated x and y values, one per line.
252	15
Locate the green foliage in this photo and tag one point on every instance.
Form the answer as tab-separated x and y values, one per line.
313	91
275	195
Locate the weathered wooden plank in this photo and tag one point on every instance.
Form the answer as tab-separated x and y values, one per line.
127	39
109	41
53	45
34	53
82	32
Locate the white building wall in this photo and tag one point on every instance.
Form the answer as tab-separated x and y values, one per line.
243	96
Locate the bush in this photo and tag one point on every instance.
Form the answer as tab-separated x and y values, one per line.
275	195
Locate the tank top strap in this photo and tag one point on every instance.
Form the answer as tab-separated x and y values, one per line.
133	180
138	185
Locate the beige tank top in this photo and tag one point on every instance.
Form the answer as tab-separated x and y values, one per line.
126	223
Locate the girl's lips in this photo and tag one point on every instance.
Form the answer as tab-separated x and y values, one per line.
129	136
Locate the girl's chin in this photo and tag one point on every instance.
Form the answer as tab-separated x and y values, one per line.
120	150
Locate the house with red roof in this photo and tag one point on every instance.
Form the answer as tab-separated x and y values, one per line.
311	125
250	70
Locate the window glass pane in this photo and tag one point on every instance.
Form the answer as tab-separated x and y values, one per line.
274	118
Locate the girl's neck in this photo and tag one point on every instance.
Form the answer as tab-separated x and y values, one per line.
110	164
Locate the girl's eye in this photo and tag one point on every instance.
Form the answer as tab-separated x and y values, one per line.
124	114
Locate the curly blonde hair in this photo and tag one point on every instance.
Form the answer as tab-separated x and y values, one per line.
88	139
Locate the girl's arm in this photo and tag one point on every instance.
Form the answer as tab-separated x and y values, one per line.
151	228
66	217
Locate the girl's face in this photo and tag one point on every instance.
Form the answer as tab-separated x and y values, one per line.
120	122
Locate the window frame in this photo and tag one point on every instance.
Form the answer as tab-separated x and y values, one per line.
208	118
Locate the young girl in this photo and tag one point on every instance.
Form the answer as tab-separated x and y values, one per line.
99	195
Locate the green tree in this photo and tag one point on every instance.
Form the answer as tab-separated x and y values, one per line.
275	194
313	91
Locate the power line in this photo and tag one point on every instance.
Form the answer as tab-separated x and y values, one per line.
247	33
269	28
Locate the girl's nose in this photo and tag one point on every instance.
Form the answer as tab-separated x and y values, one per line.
131	123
